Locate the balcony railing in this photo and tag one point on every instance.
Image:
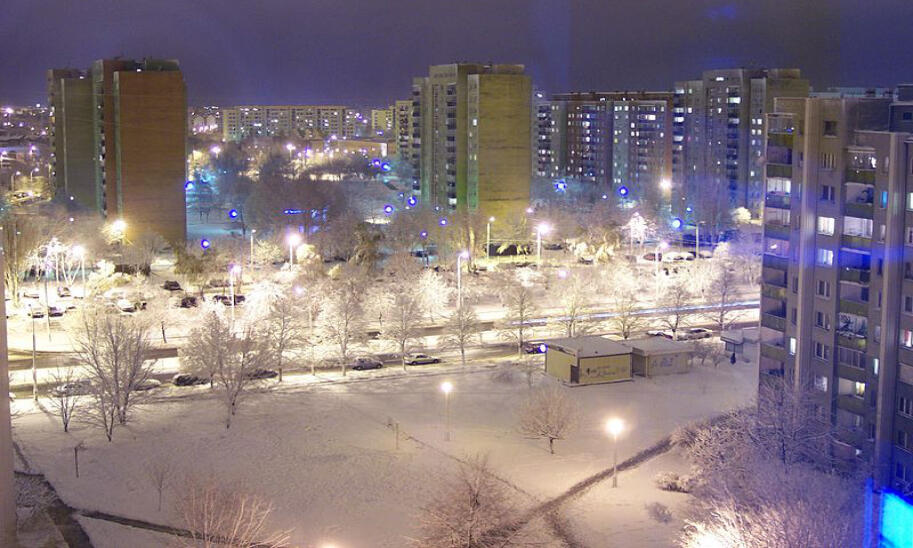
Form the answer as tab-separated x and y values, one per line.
774	352
856	275
777	200
779	170
773	322
866	176
777	230
780	139
851	340
774	261
854	307
857	242
773	291
851	403
860	209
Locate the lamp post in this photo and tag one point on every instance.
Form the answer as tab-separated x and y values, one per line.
543	228
460	258
488	238
293	240
614	427
661	246
290	148
252	231
446	388
232	272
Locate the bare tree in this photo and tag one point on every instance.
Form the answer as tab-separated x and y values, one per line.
461	326
471	510
435	293
519	301
675	295
217	515
574	303
707	350
65	402
142	250
342	315
624	289
207	346
284	326
404	314
722	290
114	351
788	425
160	473
549	414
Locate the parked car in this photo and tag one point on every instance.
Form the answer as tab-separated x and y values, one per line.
124	305
226	299
262	374
184	379
56	311
147	384
171	285
76	388
31	294
63	291
188	301
552	246
362	364
534	347
12	396
695	333
34	310
656	333
420	359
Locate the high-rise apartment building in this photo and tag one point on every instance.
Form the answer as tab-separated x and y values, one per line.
549	140
473	131
718	139
131	129
837	276
382	120
402	129
309	121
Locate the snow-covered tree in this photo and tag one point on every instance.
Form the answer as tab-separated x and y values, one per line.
65	403
520	305
342	320
462	324
675	294
217	515
285	326
624	290
113	350
207	345
435	293
573	299
548	413
722	289
404	312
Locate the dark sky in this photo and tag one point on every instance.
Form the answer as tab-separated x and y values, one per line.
365	52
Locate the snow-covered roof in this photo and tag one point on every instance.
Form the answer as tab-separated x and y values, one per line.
657	345
589	346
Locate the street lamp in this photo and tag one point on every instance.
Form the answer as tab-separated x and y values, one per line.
119	229
290	148
232	272
543	228
446	388
488	238
294	239
215	150
614	427
665	184
460	258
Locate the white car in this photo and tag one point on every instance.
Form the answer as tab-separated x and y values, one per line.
147	384
124	305
695	333
421	359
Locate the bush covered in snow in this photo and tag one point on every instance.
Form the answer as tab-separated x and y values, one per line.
670	481
659	512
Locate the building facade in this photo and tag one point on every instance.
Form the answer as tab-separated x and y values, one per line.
119	142
472	128
718	137
308	121
402	130
837	276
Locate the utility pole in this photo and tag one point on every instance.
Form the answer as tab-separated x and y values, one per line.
7	482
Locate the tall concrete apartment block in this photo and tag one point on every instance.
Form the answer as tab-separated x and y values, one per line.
718	139
402	129
473	131
311	121
837	277
608	140
132	133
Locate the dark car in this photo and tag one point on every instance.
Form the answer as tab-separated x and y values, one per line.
226	300
366	363
262	374
553	246
184	379
534	347
188	302
76	388
171	285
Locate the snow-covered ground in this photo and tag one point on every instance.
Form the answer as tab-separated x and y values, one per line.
324	455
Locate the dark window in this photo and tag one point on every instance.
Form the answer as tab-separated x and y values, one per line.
830	128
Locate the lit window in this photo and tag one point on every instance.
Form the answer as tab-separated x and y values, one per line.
826	226
825	257
906	338
820	383
792	346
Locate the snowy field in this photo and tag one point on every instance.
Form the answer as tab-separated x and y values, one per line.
325	457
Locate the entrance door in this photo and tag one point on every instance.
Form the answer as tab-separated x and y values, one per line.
575	374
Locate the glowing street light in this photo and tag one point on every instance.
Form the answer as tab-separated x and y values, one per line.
290	148
447	388
488	239
665	184
614	427
204	243
294	239
215	150
543	228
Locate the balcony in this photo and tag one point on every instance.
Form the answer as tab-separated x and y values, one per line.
856	242
851	340
855	275
780	139
865	176
774	261
856	374
773	291
778	170
773	322
777	200
774	352
860	209
854	307
776	230
851	404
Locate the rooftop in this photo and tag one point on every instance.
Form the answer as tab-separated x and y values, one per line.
590	346
657	345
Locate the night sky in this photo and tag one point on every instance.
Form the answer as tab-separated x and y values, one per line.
365	52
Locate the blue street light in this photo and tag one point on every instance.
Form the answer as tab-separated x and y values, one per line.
233	213
385	166
443	221
412	201
376	162
188	185
622	191
560	185
388	209
677	223
605	196
204	243
292	211
688	209
423	234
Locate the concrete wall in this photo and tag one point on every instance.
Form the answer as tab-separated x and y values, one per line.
605	369
152	121
75	145
558	364
667	364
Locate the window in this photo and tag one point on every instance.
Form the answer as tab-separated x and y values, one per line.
884	199
875	365
904	440
908	304
876	335
855	226
830	128
827	193
795	284
905	406
908	238
882	231
793	316
792	346
825	257
820	383
823	288
909	201
822	320
826	226
822	351
906	338
853	358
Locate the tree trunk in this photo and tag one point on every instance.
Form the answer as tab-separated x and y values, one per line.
463	355
551	446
